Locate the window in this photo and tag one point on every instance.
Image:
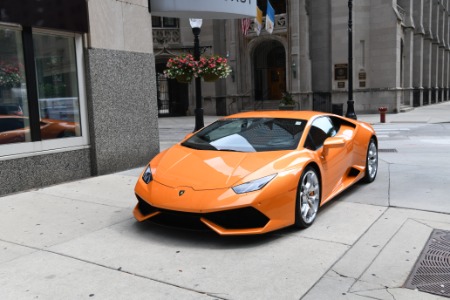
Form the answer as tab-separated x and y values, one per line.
249	135
321	129
13	96
45	113
56	72
163	22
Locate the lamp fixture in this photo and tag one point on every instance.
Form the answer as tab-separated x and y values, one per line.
294	69
196	23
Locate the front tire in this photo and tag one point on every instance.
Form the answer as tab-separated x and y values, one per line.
371	162
308	198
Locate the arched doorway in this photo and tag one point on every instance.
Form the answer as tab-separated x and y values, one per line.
172	96
269	71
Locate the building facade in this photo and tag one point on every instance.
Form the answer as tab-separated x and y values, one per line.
81	82
77	90
401	56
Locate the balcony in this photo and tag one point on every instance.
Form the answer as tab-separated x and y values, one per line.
164	37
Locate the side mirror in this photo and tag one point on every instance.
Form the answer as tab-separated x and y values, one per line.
332	142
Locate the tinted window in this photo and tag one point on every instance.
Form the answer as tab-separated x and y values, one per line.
321	129
8	124
249	135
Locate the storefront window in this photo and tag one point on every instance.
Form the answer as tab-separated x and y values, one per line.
14	122
56	72
42	98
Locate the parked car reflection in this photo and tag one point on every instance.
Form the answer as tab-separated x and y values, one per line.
11	109
16	129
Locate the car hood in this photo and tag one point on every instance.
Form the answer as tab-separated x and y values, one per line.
205	169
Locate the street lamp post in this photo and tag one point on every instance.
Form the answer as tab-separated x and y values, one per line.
196	25
350	103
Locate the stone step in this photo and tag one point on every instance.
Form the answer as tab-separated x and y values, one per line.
405	108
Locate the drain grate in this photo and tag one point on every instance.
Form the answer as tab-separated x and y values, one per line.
388	150
431	273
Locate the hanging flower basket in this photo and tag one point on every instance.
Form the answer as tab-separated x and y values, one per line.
210	77
182	68
183	78
211	68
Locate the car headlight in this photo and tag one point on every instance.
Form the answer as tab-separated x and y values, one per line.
147	176
253	185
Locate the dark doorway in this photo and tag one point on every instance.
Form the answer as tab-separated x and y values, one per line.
172	96
322	102
270	71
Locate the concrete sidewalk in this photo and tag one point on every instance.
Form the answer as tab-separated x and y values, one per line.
78	240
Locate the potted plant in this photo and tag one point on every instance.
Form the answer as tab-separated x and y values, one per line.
211	68
182	68
287	102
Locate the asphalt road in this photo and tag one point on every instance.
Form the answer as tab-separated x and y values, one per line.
78	240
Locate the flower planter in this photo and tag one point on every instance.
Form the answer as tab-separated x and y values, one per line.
210	77
183	79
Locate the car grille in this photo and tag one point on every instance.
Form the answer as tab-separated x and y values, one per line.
241	218
144	207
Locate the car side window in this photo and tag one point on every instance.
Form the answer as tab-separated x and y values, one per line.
8	124
321	129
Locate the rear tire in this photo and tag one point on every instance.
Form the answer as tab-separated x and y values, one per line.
371	162
308	198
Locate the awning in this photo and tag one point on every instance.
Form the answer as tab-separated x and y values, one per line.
204	9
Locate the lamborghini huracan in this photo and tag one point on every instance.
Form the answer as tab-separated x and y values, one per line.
255	172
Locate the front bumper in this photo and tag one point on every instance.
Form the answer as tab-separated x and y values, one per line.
240	220
221	210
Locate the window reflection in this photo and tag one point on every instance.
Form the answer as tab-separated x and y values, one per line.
56	72
14	123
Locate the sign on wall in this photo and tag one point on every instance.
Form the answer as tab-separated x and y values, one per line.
204	9
340	71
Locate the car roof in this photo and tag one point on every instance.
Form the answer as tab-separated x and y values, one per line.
11	117
295	114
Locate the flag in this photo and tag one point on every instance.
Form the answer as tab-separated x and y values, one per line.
270	18
258	20
245	25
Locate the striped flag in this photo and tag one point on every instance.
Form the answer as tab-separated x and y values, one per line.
258	20
270	18
245	25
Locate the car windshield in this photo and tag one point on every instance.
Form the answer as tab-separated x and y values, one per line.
249	135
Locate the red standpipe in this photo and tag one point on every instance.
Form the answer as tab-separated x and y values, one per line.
382	110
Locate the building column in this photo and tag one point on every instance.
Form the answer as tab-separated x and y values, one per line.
419	32
121	86
434	50
408	66
446	52
440	65
427	4
408	53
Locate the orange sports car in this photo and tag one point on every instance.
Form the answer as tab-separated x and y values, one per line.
255	172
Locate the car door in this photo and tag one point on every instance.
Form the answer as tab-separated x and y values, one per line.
334	161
